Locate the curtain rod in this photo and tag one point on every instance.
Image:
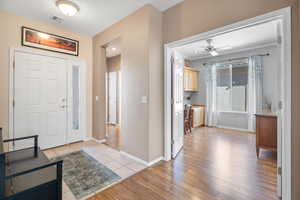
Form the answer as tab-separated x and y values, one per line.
239	58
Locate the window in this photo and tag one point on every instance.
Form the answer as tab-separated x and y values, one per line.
231	87
75	95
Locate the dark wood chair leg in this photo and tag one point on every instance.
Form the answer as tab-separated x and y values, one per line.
59	180
257	152
2	176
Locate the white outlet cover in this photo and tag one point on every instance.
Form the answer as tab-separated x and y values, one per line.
144	99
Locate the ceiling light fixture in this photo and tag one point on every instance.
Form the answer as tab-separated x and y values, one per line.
213	53
114	48
67	7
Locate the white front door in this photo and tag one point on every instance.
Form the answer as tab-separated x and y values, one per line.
112	97
177	107
40	94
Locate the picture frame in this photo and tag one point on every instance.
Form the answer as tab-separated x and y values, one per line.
50	42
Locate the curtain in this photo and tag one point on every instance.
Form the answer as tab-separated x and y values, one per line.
255	87
211	100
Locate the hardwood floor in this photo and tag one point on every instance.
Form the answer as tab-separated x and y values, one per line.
113	137
215	164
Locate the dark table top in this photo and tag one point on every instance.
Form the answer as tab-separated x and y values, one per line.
23	160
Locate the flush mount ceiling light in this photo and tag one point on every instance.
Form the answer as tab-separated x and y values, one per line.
67	7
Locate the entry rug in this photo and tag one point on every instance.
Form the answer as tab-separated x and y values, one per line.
85	175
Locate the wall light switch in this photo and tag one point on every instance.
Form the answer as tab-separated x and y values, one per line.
97	98
144	99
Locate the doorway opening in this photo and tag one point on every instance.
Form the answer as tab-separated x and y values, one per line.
113	93
228	91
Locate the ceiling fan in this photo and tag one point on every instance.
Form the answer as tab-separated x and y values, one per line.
211	49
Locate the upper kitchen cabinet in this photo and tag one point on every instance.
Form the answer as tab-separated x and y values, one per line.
191	79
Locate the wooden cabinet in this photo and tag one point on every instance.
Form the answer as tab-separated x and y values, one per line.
198	115
266	132
191	79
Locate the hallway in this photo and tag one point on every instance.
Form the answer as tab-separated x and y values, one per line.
113	136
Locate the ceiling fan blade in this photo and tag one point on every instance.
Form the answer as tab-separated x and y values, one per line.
202	53
201	47
224	47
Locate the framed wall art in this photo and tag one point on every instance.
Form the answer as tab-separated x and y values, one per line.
50	42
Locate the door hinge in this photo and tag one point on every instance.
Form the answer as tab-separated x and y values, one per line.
172	60
172	101
172	142
279	171
14	64
14	103
279	39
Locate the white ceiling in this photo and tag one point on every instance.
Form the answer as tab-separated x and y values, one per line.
246	38
94	15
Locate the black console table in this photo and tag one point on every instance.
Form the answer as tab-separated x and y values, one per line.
29	174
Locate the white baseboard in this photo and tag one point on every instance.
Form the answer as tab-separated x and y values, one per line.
155	161
99	141
141	160
237	129
87	139
134	158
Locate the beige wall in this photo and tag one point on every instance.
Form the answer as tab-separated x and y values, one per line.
156	86
135	35
113	63
11	37
195	16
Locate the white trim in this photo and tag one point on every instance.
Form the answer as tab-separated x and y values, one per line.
44	53
11	96
82	101
153	162
287	98
245	49
285	16
99	141
234	112
167	104
134	158
232	128
143	162
28	50
87	138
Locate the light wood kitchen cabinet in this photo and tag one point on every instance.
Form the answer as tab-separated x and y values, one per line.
191	79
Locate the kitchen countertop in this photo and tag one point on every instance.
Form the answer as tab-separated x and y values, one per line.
266	114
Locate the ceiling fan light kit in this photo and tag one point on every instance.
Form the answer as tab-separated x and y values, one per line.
213	53
211	49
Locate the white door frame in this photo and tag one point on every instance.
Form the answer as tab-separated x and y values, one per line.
69	59
285	16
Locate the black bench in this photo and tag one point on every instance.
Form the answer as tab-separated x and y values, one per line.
28	173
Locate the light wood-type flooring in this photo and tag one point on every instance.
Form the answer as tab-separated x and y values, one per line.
215	164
